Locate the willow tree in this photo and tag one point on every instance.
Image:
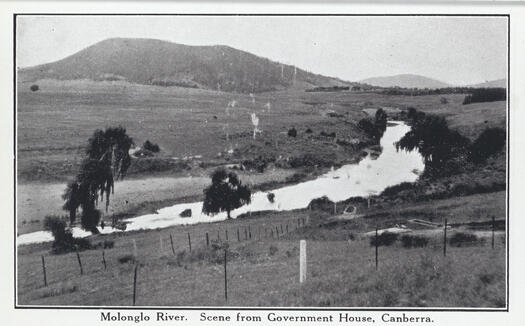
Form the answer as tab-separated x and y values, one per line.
225	193
107	159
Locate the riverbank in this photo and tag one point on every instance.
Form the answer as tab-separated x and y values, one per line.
372	174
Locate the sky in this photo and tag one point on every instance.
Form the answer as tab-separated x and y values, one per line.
456	50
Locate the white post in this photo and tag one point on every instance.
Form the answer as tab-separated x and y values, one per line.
302	261
134	248
335	208
368	202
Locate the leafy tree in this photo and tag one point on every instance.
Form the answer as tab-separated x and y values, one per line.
107	158
487	144
381	119
444	151
225	193
374	128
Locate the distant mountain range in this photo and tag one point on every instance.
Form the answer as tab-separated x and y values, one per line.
418	81
148	61
492	83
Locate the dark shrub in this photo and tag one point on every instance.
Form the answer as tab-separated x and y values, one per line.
186	213
258	164
108	244
394	190
490	142
271	197
151	147
384	239
414	241
322	203
64	241
461	239
292	132
273	250
443	100
296	177
308	131
485	95
326	134
126	259
34	88
57	227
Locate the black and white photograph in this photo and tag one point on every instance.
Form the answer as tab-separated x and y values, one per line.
265	160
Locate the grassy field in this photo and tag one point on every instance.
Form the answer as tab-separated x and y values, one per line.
55	122
341	264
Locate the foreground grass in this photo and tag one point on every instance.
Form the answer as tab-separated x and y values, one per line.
263	271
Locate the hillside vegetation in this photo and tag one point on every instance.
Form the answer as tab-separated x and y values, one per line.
155	62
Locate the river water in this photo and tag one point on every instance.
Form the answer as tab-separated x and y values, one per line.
369	176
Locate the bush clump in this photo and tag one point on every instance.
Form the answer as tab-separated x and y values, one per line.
414	241
154	148
384	239
461	239
490	142
127	259
485	95
292	132
34	88
63	238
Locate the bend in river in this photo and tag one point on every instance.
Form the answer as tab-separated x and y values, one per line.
369	176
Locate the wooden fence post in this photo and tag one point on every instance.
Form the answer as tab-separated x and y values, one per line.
44	270
135	284
225	277
104	259
302	261
189	241
134	248
226	232
249	232
172	247
445	239
377	243
245	233
286	228
161	244
335	208
80	263
298	223
207	240
238	235
282	232
493	227
277	232
218	235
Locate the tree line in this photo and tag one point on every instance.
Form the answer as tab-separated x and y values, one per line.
446	151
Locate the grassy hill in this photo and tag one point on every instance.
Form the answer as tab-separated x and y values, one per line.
155	62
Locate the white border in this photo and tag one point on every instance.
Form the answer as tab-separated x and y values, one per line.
515	316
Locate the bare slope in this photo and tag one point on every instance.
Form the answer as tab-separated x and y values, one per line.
148	61
491	83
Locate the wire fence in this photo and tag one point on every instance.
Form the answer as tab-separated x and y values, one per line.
231	260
